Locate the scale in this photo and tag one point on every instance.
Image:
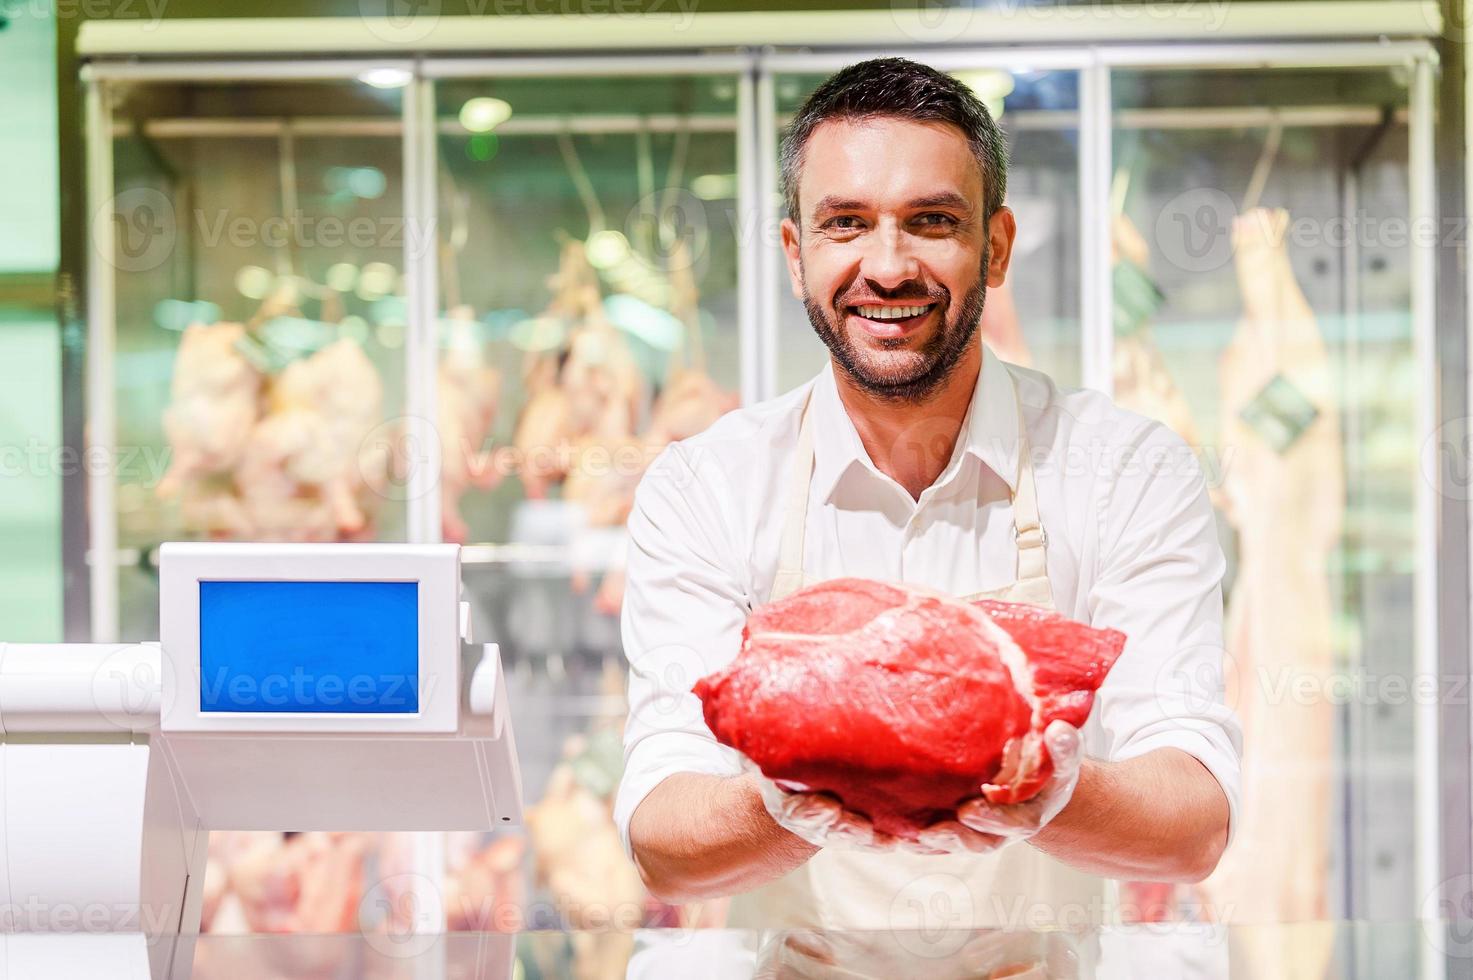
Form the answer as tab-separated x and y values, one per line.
294	687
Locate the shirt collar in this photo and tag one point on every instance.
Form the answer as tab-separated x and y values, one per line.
989	432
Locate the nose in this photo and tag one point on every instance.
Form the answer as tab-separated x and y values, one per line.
889	262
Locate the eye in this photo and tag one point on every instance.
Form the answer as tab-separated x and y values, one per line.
844	222
936	219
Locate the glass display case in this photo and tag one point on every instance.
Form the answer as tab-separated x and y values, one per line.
258	248
588	283
1263	274
586	269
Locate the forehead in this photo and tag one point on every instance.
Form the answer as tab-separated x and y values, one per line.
887	160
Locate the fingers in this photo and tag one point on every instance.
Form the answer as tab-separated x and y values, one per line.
979	828
1021	820
852	832
821	820
814	812
1064	745
1008	821
954	837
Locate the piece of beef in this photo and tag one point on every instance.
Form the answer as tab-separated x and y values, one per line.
901	702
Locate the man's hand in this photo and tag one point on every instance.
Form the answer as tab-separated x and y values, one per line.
822	821
818	818
1019	821
980	827
698	836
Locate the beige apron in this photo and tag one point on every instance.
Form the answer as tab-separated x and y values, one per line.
936	896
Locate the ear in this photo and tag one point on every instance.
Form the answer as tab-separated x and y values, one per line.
1002	228
794	256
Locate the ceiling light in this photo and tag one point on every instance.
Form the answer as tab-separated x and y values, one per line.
481	115
386	77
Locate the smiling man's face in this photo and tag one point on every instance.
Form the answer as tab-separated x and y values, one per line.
893	256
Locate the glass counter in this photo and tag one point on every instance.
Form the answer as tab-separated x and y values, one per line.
1187	951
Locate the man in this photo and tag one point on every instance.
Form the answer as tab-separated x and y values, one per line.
917	456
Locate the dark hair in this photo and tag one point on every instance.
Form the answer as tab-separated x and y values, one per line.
903	89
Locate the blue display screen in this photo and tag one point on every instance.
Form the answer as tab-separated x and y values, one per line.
335	647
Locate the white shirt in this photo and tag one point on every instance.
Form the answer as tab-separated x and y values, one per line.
1132	545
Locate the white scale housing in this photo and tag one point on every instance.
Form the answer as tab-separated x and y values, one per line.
294	687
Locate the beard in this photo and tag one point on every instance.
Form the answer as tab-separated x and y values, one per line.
887	369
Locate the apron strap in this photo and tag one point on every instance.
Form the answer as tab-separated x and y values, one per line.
789	578
1028	530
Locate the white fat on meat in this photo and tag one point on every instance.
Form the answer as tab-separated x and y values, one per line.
1022	757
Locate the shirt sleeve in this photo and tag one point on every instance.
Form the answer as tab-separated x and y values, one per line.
683	614
1159	581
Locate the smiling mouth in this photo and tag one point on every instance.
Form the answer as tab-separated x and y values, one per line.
890	322
886	314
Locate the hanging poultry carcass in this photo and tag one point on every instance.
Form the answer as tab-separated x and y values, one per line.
585	391
578	857
215	401
466	413
310	472
689	402
309	882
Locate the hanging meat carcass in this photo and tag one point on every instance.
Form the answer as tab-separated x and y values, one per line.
1284	493
1143	383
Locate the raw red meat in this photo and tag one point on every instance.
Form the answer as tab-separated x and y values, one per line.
901	702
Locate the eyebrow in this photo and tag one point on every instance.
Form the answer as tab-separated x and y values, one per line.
945	199
835	203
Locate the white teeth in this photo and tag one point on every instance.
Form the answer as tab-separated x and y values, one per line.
891	312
